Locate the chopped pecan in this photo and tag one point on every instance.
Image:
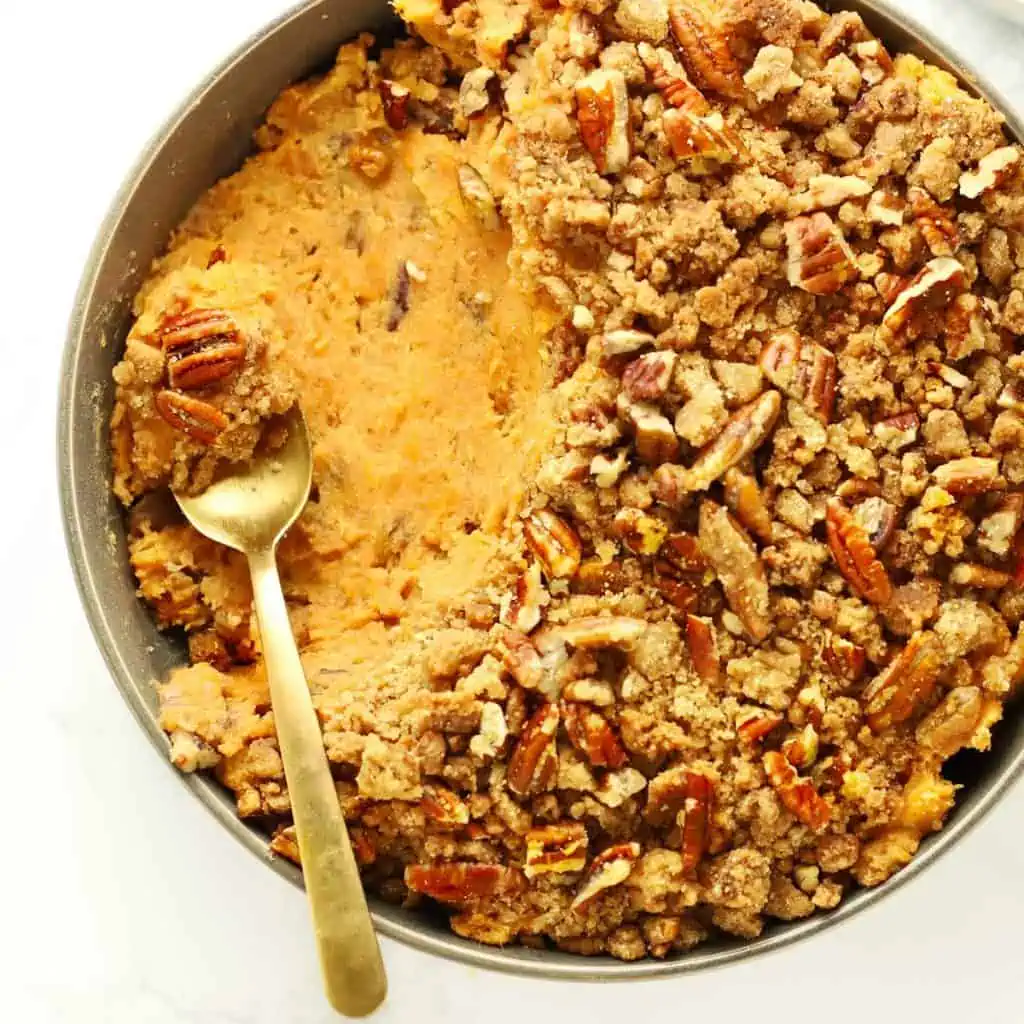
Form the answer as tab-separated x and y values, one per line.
981	577
602	111
462	881
993	170
845	658
897	431
477	196
801	748
590	733
443	807
556	849
695	819
534	761
842	32
395	100
590	691
854	555
671	81
878	519
619	786
681	595
705	49
653	434
997	531
820	261
951	725
904	684
200	420
971	475
885	207
703	136
597	631
703	648
954	378
797	795
523	608
746	502
803	370
555	543
934	222
202	346
642	534
1012	395
608	469
609	868
753	724
745	431
738	567
623	342
683	553
647	379
964	328
931	290
474	91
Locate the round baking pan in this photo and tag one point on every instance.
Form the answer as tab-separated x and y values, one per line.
207	138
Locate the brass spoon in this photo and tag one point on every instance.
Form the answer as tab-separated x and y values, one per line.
248	510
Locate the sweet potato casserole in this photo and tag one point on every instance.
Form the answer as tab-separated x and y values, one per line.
660	358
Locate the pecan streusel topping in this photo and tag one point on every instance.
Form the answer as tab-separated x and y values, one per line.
661	357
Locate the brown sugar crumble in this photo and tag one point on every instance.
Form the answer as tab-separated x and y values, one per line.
660	357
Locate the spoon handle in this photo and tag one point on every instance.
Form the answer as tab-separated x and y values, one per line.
349	955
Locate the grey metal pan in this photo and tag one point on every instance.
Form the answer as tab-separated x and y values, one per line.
208	137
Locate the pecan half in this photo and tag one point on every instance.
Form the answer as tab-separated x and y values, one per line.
590	733
555	543
443	807
647	379
703	648
534	761
820	261
671	80
745	500
934	222
602	111
803	370
640	533
993	170
797	795
523	608
845	658
555	849
704	136
854	555
904	684
738	567
704	47
936	285
754	724
745	431
971	475
462	881
200	420
609	868
395	100
202	347
695	819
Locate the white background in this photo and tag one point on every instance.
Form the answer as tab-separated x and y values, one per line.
121	901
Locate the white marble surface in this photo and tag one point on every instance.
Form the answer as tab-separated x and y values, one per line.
120	900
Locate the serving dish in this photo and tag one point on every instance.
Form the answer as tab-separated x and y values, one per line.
207	138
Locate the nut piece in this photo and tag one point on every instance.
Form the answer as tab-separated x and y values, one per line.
683	554
647	379
897	431
905	683
597	631
981	577
754	724
801	748
607	469
951	725
738	567
609	868
820	261
934	222
972	475
746	502
462	881
671	81
695	819
744	432
705	49
998	530
556	849
932	289
639	532
802	370
534	761
522	609
703	648
590	733
554	542
854	555
474	94
878	519
202	347
845	658
477	196
443	807
798	795
707	137
653	434
395	99
1012	395
602	110
200	420
623	342
992	171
